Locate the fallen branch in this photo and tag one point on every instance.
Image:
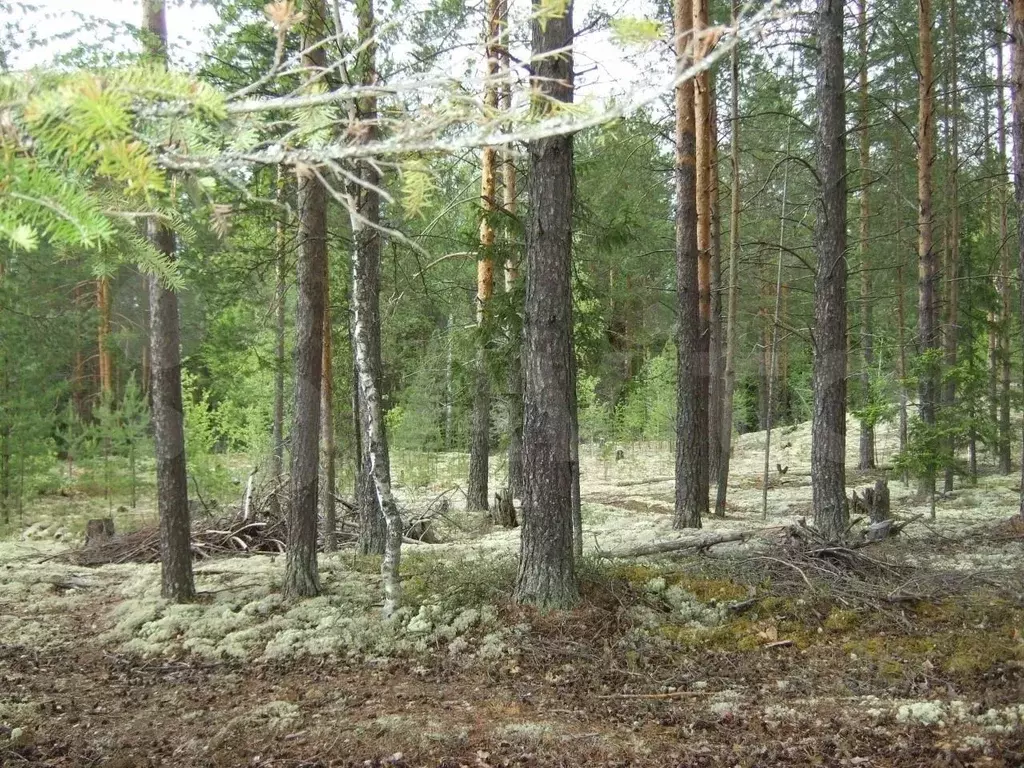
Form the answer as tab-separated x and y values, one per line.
667	695
649	481
702	543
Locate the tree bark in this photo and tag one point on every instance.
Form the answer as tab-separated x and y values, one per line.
176	582
716	354
106	361
691	500
280	296
702	141
1005	317
867	428
927	304
515	336
1017	96
374	530
327	425
732	303
950	339
546	575
828	427
302	578
479	449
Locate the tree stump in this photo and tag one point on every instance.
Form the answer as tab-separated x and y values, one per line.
99	530
875	503
504	513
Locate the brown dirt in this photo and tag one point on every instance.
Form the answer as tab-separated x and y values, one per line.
576	696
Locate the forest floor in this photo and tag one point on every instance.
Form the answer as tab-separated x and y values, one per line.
909	652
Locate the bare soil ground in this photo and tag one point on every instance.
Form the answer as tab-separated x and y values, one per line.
912	655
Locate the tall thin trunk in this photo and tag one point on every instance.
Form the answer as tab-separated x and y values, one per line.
327	425
509	206
280	296
927	305
547	575
1017	96
367	347
771	341
732	304
105	356
867	429
449	384
479	446
828	426
702	142
176	581
301	571
950	338
716	352
1005	320
691	500
901	313
375	530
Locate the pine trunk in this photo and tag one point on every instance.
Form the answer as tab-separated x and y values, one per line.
1005	317
716	353
691	395
950	338
546	575
702	142
828	428
106	361
732	303
927	302
1017	83
479	449
280	294
176	581
867	429
327	427
302	578
515	336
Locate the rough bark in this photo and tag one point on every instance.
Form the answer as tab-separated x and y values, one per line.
168	419
716	352
828	428
546	575
374	530
927	300
301	571
327	425
105	356
1005	317
1017	100
280	297
732	306
702	143
950	338
691	417
480	432
515	336
692	444
867	429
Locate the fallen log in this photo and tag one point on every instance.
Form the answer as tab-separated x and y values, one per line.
700	543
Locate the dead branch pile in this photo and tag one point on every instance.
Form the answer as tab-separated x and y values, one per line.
259	525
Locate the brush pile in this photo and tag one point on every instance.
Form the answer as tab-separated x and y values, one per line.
259	525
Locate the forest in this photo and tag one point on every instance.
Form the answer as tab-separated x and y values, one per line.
512	383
